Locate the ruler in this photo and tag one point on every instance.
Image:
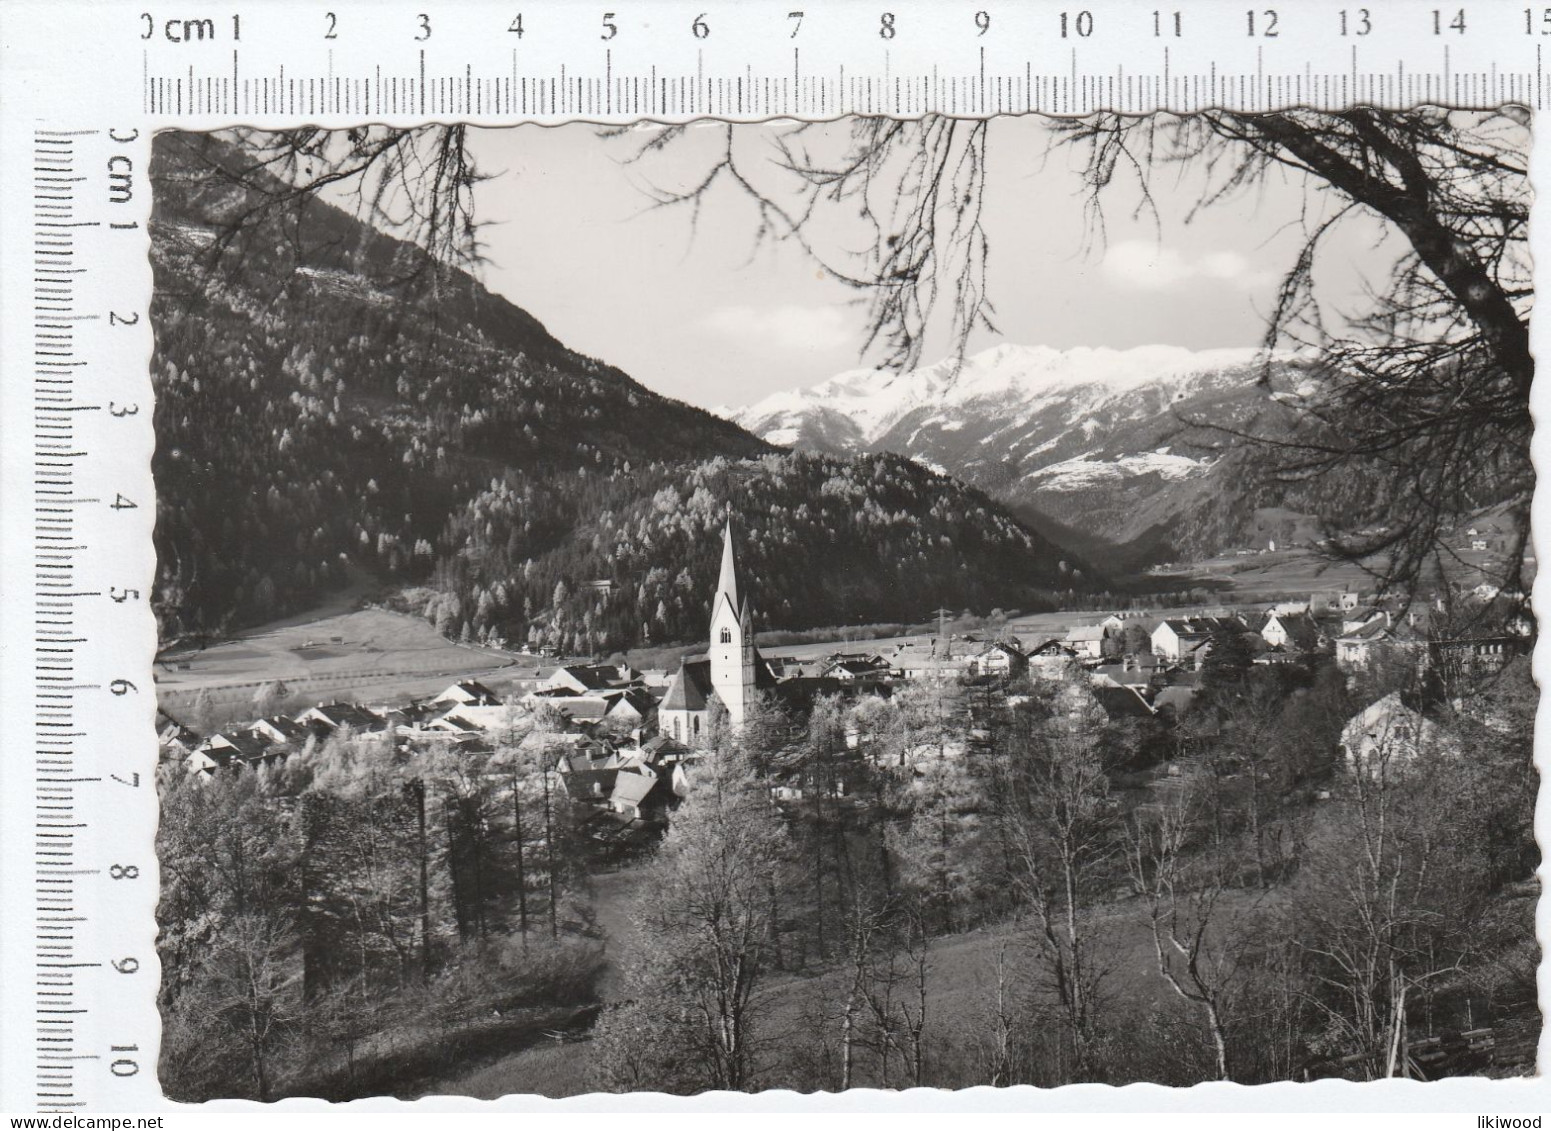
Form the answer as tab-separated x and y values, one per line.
86	84
624	60
83	615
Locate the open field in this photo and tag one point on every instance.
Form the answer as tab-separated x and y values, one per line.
1294	573
1277	574
363	653
962	972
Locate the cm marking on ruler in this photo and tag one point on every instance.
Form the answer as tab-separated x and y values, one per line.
674	61
85	228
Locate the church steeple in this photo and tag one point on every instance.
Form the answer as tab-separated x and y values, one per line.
728	585
732	638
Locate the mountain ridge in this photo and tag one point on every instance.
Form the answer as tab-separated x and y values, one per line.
1120	444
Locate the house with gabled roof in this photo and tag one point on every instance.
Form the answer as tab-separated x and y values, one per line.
1086	640
469	693
1292	632
209	761
233	750
856	670
1177	638
1393	732
279	728
591	784
641	793
998	658
1050	660
333	716
1357	650
584	679
176	740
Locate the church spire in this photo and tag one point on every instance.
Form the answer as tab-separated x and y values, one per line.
728	585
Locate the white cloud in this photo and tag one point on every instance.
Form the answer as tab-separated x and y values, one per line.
786	327
1144	265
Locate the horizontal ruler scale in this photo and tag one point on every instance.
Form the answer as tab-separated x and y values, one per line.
758	61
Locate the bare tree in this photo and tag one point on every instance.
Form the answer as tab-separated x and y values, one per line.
704	905
1182	905
1424	393
1057	818
415	182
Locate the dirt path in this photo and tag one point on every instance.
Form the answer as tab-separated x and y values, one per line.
613	893
547	1067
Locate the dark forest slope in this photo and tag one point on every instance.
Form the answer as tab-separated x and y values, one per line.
328	398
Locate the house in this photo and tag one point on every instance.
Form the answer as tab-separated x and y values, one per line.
175	740
279	729
1050	660
641	793
233	751
486	716
630	709
583	678
1357	650
1474	657
1391	732
1291	632
1086	641
857	671
1177	638
660	750
583	708
330	717
469	693
590	785
1174	638
1122	703
790	667
1136	669
212	760
1360	616
925	662
999	659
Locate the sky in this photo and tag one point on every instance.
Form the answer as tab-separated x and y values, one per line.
692	309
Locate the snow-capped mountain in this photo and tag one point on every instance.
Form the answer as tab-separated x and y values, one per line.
1102	441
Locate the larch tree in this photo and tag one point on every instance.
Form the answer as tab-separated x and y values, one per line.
704	905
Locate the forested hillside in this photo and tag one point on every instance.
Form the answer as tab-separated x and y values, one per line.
330	400
826	541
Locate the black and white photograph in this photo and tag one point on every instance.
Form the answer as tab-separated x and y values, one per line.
871	603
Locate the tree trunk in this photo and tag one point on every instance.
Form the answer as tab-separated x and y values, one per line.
522	875
549	857
425	885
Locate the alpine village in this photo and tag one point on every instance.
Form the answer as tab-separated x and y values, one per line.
523	730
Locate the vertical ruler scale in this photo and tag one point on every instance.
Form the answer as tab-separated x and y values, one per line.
56	817
92	503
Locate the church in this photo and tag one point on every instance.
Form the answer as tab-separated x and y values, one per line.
731	671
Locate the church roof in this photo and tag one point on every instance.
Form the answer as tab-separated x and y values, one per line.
691	687
728	582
